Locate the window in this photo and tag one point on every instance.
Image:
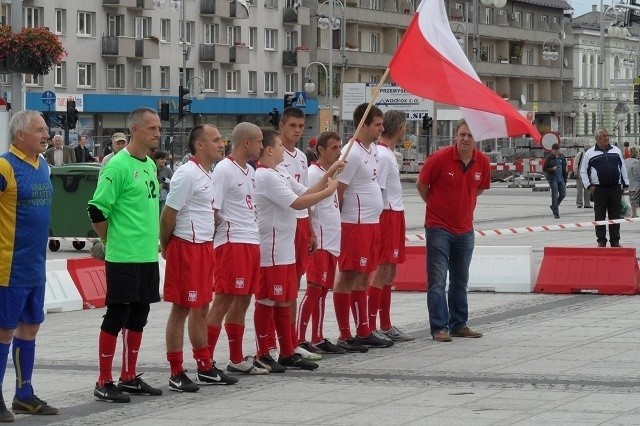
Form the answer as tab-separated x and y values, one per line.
190	36
32	80
4	79
528	57
61	21
5	12
374	4
165	78
211	33
142	77
115	25
85	24
528	21
59	75
593	122
271	4
210	78
141	27
233	81
32	17
290	3
459	6
165	30
488	16
189	76
234	35
253	82
374	79
544	18
115	76
270	79
530	92
517	16
291	82
290	40
253	37
270	39
374	42
85	75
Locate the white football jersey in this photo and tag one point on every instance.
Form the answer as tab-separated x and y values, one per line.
389	179
362	200
325	216
296	165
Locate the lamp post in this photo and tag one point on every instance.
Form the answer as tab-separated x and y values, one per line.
621	115
462	42
310	87
572	114
614	31
332	23
200	95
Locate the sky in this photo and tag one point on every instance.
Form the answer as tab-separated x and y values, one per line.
580	7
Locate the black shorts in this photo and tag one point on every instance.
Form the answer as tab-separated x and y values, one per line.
132	282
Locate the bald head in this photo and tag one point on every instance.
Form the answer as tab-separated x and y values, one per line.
244	131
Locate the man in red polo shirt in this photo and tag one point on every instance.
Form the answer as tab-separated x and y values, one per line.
450	182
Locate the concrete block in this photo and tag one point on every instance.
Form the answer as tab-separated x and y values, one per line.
61	294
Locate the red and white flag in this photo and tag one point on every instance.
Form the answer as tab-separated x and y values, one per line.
430	63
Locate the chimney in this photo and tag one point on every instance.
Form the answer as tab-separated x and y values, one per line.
594	7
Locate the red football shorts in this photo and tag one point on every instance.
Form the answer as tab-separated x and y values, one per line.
302	245
322	269
237	268
188	277
278	283
359	247
392	237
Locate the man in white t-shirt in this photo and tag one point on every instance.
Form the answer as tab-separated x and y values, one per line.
360	205
277	196
237	246
392	229
186	240
321	271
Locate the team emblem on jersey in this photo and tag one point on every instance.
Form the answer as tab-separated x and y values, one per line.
278	290
363	261
135	174
193	296
477	176
396	252
239	282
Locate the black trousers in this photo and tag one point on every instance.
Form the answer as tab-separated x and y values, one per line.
607	199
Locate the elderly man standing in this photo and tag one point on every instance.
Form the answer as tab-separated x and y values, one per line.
605	175
118	141
59	154
26	194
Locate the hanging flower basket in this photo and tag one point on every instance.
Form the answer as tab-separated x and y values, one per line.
31	51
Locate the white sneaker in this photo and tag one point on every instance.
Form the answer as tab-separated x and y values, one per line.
310	356
274	353
246	367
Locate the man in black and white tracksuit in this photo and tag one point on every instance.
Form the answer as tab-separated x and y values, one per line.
604	173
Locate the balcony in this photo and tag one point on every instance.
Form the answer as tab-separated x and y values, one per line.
291	16
130	48
208	7
224	54
388	18
226	9
130	4
497	69
295	58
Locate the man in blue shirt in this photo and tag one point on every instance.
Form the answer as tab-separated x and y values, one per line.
26	194
555	169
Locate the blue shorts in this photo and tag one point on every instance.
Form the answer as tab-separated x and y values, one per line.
21	305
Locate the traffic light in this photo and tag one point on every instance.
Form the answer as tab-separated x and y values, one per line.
274	118
427	122
289	101
164	111
72	113
183	102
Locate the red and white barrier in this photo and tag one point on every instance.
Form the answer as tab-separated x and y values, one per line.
61	293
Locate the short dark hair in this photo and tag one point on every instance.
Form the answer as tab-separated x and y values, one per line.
160	155
291	112
358	113
626	144
194	135
269	137
325	137
555	146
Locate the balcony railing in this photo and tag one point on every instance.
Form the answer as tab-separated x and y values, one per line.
207	7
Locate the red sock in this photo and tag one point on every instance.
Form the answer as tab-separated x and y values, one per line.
106	350
273	342
373	301
307	307
359	310
282	319
262	320
341	304
176	361
131	341
213	333
317	318
385	308
203	358
235	334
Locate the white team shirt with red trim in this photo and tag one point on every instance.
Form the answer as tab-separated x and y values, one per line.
191	195
275	191
325	216
233	198
296	165
362	200
389	179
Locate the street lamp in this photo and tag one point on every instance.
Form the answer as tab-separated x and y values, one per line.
200	94
310	86
572	114
332	23
463	42
621	115
549	53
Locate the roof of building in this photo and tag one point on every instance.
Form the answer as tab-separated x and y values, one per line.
556	4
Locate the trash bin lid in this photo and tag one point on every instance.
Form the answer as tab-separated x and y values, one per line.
76	169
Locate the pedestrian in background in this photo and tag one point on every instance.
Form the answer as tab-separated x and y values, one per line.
450	182
60	154
26	195
82	152
118	141
555	169
583	196
633	171
164	176
604	172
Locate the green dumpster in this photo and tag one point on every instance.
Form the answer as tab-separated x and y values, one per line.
73	187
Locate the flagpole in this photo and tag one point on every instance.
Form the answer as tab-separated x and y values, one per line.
366	112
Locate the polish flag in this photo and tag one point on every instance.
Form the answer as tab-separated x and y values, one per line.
430	63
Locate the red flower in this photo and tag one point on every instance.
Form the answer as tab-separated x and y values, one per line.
34	49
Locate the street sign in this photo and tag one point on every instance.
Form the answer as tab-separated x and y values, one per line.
301	100
48	98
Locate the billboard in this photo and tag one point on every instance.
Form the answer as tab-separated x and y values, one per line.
391	97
